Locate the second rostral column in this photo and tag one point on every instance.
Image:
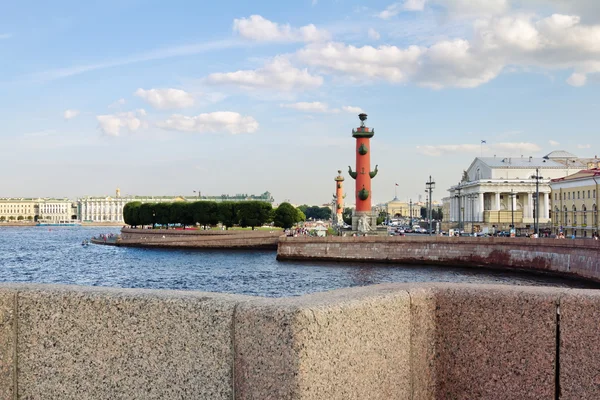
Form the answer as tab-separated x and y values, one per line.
363	219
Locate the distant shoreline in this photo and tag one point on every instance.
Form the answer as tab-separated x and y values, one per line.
30	224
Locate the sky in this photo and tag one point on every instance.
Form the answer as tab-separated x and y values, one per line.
168	98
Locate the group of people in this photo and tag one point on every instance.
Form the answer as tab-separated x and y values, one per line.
561	235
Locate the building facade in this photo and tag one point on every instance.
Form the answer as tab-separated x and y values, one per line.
110	209
40	209
575	203
403	209
495	191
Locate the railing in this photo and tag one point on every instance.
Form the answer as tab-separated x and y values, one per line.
502	216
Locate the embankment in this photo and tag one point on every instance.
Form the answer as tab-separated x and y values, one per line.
392	341
198	239
574	258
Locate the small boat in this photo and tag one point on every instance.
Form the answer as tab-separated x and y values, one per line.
85	243
58	223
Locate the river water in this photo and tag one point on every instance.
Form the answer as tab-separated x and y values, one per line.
55	255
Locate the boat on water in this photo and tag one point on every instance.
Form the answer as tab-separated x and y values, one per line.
58	223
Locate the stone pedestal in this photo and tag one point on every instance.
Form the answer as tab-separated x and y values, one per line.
369	216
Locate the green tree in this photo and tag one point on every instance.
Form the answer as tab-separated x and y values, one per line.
11	218
181	213
3	218
285	216
146	214
162	213
228	213
254	213
131	212
29	218
20	218
205	212
300	215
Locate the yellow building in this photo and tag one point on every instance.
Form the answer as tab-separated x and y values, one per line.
30	209
401	209
575	203
18	209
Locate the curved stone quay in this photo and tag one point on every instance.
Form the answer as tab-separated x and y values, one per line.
579	258
390	341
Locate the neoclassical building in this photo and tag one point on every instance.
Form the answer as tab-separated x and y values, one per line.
575	203
29	209
494	191
396	208
110	209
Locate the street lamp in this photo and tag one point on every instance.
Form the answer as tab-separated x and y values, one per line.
457	196
199	193
410	223
430	185
536	207
512	209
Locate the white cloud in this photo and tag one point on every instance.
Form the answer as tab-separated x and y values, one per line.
506	148
165	99
70	114
5	36
373	34
584	146
315	106
553	143
111	124
577	79
117	103
276	74
350	109
557	42
215	122
396	8
474	8
261	29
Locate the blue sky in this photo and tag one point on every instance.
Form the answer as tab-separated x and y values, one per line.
232	97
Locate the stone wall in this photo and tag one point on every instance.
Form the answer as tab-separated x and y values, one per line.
391	341
213	239
576	258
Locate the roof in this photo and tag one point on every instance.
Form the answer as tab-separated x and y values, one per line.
586	173
560	154
519	162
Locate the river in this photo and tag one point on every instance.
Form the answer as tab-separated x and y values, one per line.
55	255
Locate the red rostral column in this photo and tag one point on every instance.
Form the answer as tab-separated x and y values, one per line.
363	173
339	198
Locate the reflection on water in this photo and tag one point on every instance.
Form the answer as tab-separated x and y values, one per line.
55	255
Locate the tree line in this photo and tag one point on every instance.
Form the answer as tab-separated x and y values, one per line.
209	213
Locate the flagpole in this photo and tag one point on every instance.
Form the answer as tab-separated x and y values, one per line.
395	190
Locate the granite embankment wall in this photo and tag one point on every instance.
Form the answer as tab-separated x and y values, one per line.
392	341
210	239
575	258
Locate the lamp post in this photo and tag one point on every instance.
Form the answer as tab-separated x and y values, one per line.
457	196
199	193
512	209
536	207
410	223
430	185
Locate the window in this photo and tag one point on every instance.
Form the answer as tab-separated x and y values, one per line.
578	194
588	194
574	215
555	196
569	195
594	193
584	214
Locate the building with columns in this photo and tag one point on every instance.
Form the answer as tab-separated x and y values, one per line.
575	203
110	209
494	191
36	209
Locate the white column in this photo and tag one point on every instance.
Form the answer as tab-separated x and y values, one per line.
546	205
481	206
451	207
497	205
529	205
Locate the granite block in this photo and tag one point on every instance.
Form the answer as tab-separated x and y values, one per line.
580	345
7	343
494	342
76	343
345	344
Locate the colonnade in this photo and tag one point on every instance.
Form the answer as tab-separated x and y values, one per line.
472	206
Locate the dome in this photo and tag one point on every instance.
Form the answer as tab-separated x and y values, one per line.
559	154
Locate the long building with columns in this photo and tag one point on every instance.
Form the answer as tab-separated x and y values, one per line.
110	209
494	191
